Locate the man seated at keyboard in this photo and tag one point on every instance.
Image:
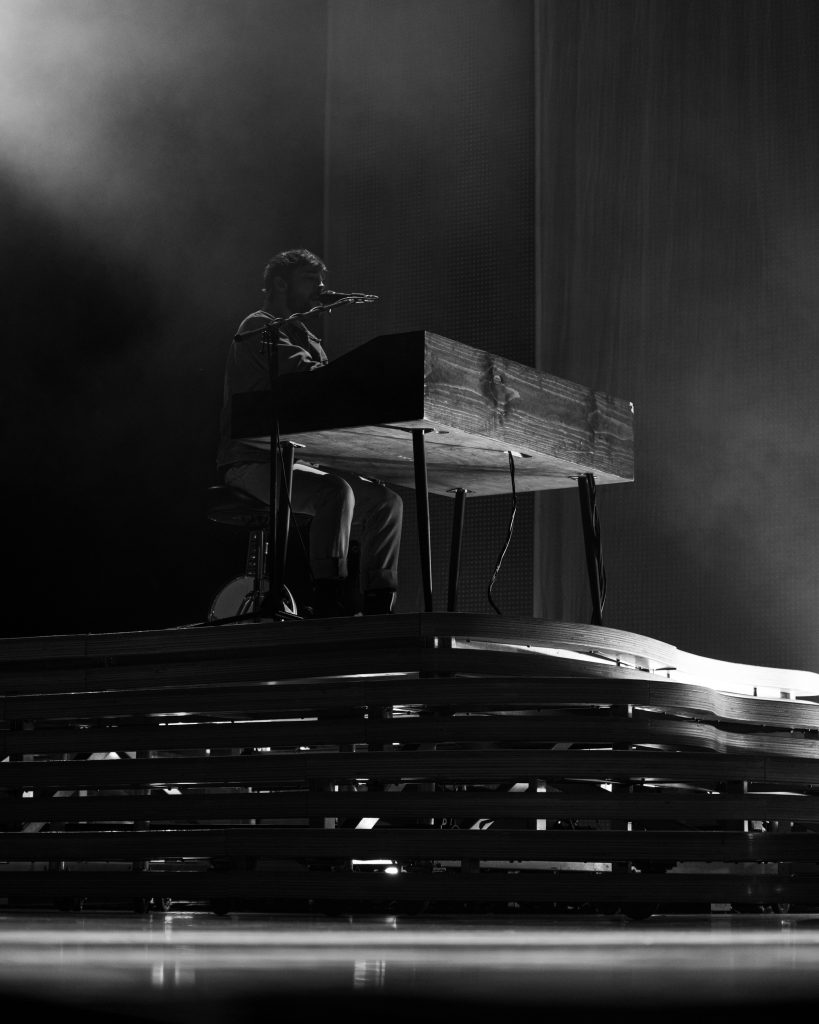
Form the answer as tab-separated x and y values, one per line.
293	281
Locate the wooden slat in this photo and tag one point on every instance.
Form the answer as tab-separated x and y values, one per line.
488	765
727	675
445	887
161	675
485	729
256	639
635	688
38	649
642	805
536	632
196	642
303	664
340	693
409	844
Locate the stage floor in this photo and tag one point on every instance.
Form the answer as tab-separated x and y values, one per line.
197	966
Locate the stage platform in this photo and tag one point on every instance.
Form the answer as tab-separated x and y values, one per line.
403	764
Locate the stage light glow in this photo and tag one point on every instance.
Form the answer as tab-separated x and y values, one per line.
112	117
70	75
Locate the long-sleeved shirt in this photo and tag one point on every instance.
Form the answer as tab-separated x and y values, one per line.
248	369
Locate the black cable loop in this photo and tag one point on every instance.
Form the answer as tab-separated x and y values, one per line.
510	530
598	548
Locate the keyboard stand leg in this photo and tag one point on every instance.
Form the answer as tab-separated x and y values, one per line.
455	548
422	505
591	536
282	525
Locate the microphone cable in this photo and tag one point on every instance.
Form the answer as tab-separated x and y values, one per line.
509	532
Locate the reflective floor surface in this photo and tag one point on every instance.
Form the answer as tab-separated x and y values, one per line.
197	966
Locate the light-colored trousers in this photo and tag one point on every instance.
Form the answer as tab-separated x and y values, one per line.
335	501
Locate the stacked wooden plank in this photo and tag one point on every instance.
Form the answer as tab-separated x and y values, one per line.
434	760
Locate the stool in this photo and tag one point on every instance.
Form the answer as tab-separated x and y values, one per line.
243	595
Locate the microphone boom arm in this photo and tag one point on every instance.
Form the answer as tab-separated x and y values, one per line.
324	307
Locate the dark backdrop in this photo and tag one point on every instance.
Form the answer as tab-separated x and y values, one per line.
679	162
154	154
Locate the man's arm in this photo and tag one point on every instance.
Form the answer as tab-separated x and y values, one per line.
291	357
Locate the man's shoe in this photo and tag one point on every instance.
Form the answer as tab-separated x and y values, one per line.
378	602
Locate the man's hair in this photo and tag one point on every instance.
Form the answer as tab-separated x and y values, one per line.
284	263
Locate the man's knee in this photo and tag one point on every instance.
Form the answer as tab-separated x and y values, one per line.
394	505
335	493
388	508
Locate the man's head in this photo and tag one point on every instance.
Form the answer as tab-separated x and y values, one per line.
292	281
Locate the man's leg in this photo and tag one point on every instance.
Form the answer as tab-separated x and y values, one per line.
329	500
380	512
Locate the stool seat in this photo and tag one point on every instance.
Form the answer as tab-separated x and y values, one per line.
233	507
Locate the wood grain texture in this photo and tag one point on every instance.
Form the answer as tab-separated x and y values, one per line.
354	416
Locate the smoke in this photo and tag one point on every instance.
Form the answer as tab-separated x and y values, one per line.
153	153
150	124
89	97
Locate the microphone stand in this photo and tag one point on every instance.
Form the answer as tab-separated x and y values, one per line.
279	512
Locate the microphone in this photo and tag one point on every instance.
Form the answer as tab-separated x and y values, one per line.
327	296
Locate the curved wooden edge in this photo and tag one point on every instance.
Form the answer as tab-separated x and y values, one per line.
537	637
480	684
623	646
542	633
750	679
485	646
250	636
